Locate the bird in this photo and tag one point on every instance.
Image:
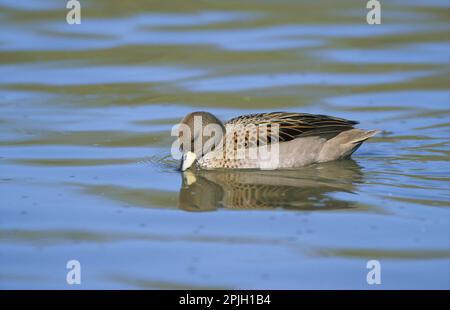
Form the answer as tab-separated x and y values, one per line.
267	141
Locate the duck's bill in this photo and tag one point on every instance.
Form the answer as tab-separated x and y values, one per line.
187	160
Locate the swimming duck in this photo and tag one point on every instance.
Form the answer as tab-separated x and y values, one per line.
289	140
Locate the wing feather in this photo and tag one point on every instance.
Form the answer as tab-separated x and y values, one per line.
294	125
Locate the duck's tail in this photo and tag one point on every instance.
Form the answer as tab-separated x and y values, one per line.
345	144
360	135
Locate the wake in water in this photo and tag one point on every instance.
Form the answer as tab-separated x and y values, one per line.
163	162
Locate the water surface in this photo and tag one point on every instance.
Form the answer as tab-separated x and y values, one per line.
85	167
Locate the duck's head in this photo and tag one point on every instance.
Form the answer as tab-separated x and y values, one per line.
200	133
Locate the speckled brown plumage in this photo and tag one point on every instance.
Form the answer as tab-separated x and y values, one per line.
299	138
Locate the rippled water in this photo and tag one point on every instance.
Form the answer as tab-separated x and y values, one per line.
85	167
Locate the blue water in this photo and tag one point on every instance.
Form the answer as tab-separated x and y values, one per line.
86	173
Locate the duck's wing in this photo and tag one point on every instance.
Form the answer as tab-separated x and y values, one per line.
293	125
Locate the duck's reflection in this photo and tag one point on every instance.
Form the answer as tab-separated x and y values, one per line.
307	189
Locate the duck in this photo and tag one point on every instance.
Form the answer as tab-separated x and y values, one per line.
266	141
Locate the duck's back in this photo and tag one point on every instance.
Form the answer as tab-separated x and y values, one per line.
303	139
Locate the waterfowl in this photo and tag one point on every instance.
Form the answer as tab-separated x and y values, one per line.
274	140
